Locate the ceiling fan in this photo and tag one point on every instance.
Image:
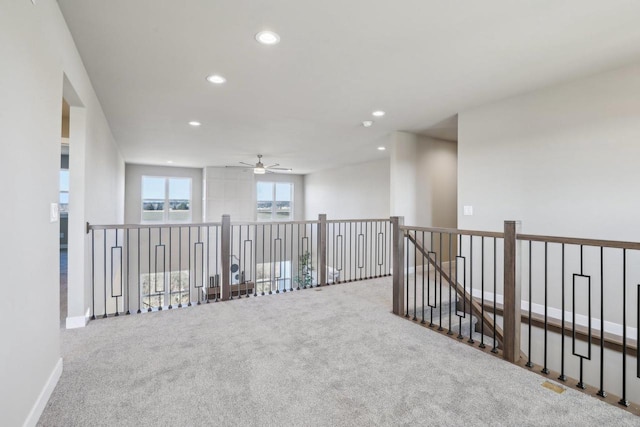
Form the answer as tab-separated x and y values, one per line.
259	168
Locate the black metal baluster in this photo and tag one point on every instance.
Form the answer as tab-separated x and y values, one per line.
241	263
291	258
582	357
190	268
449	332
415	281
104	264
251	240
562	376
279	255
163	269
217	280
435	279
206	290
311	247
495	280
199	271
298	258
371	268
529	364
149	304
272	268
464	287
127	290
350	278
546	308
255	260
121	268
423	322
139	275
407	275
263	263
93	276
470	340
601	391
482	293
623	400
170	270
440	328
180	267
230	265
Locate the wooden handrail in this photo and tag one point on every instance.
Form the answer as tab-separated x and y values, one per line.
577	241
454	231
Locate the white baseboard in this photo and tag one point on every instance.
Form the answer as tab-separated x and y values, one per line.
556	314
45	394
78	321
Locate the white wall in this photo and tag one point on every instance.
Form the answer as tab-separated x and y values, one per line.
436	183
133	188
36	49
351	192
232	191
424	180
404	176
563	160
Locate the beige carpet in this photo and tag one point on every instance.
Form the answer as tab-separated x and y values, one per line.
333	356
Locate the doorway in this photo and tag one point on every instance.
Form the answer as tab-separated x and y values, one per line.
63	203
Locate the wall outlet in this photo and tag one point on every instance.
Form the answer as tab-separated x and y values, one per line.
468	210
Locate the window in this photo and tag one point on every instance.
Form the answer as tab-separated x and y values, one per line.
63	199
166	199
275	201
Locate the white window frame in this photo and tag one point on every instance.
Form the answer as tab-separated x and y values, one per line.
165	212
274	217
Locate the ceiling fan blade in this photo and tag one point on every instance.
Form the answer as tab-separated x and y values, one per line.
239	167
280	169
247	164
273	165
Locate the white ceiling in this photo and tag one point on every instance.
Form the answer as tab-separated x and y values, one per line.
301	103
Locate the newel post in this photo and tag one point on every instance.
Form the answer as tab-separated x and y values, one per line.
512	292
225	254
322	249
397	248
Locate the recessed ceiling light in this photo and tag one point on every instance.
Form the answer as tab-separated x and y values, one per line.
367	123
382	148
216	79
194	123
169	161
378	113
267	37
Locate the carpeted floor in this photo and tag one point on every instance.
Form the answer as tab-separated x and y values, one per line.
333	356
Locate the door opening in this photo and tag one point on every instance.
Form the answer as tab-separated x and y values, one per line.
63	202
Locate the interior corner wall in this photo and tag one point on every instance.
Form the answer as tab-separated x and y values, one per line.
404	176
356	191
563	160
37	50
437	183
424	180
133	188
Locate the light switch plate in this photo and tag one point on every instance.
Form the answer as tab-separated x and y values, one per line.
54	212
468	210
